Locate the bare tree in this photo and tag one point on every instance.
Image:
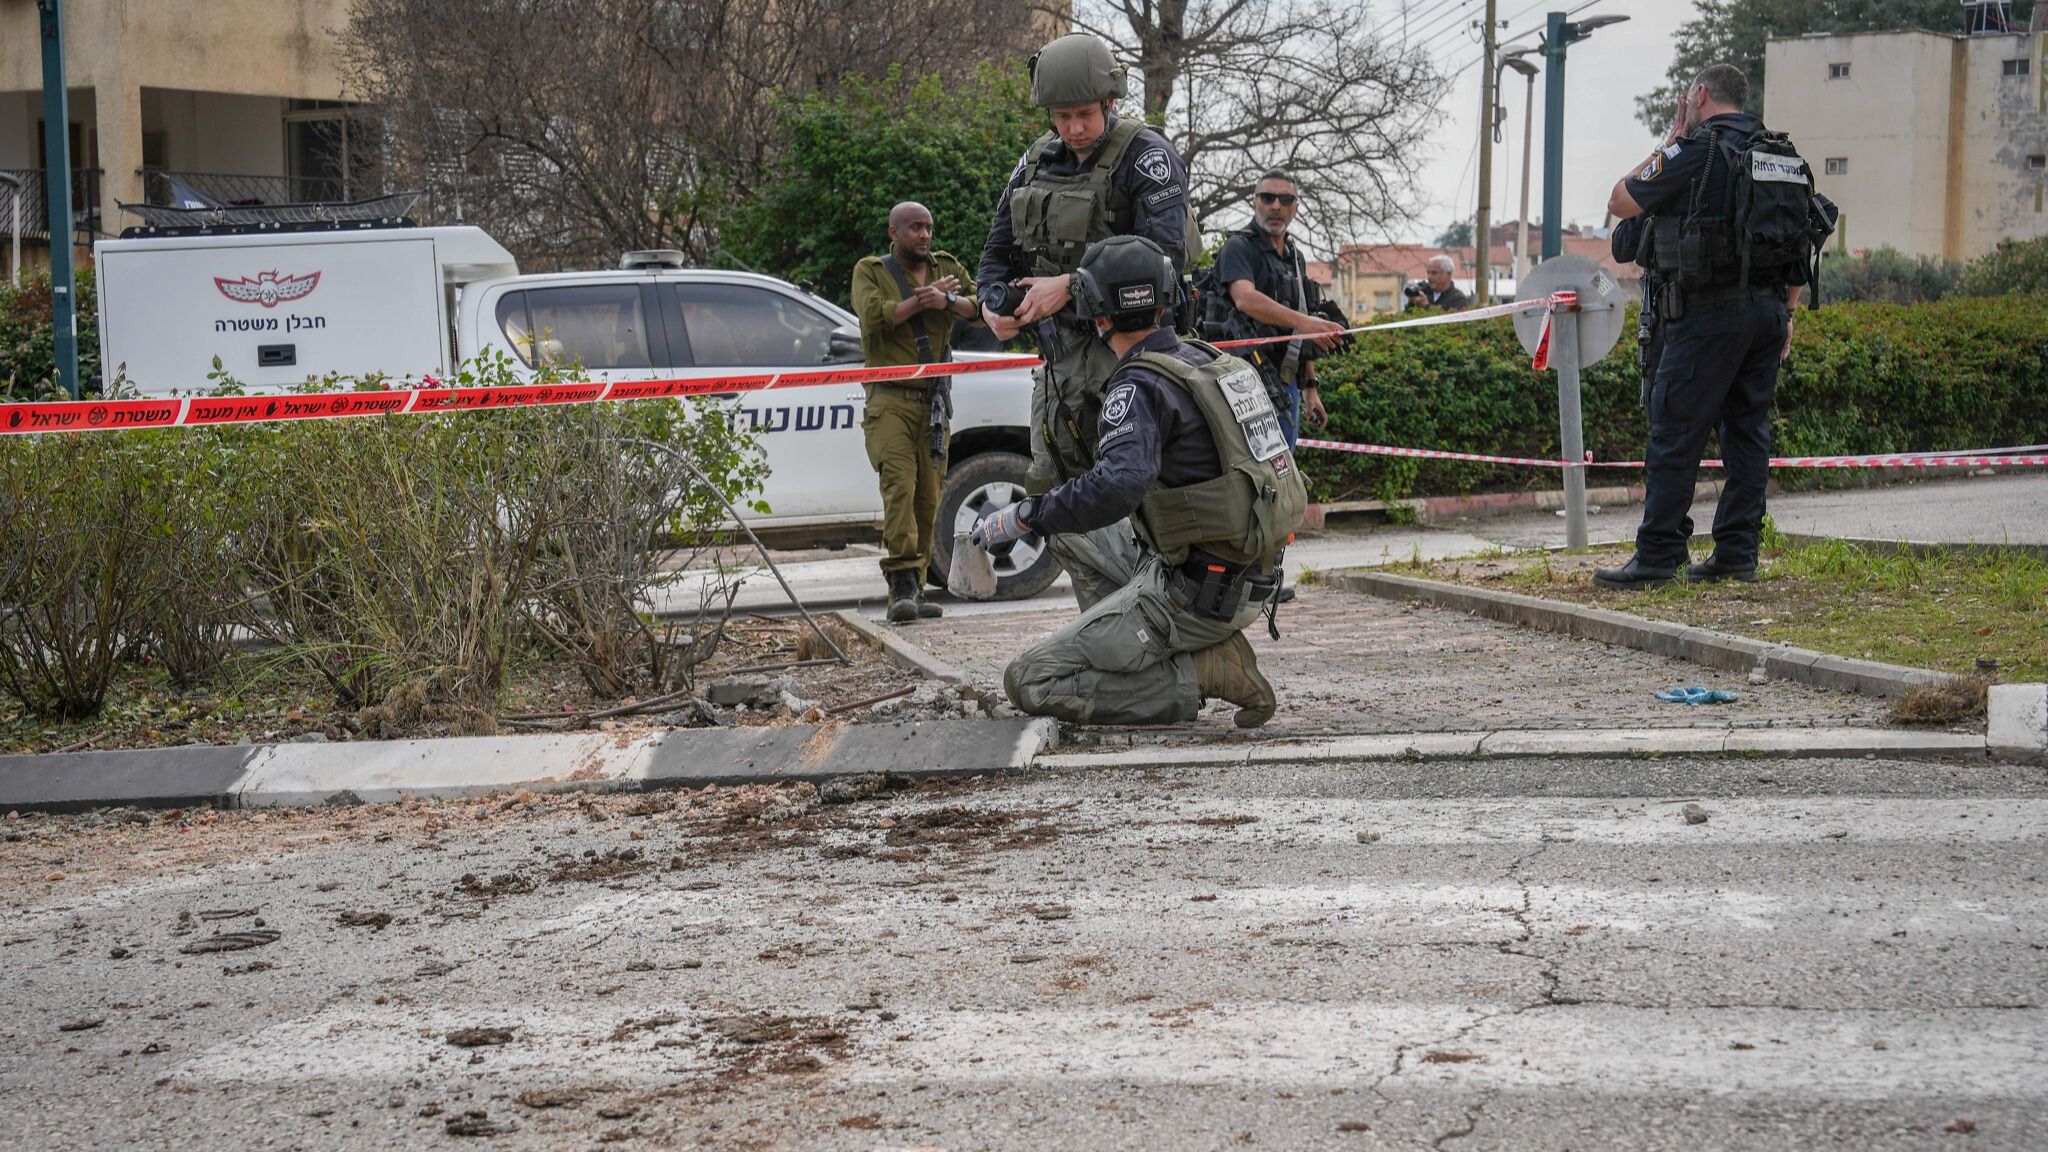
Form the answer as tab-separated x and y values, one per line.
1242	86
574	129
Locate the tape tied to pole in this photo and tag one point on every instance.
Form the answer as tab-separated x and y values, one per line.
1566	300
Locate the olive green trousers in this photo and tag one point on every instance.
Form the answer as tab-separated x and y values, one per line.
1128	658
894	428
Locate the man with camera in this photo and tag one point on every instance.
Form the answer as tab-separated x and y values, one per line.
1267	281
1189	453
1095	175
907	301
1436	290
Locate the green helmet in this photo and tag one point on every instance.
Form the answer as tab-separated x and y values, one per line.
1126	280
1074	69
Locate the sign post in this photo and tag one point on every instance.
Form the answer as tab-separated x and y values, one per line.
1580	332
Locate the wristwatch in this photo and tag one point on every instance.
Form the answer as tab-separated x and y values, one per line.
952	301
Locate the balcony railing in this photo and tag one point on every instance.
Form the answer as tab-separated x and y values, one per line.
234	190
35	216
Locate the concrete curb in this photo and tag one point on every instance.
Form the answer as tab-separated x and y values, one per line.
278	775
1487	505
2017	716
1605	744
1716	650
1917	547
899	651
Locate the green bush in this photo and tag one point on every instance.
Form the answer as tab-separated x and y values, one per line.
1886	276
852	153
2013	266
405	561
28	361
1961	373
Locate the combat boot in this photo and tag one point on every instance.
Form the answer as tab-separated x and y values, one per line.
1229	671
926	610
902	597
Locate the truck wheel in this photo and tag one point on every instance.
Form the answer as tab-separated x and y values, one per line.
991	479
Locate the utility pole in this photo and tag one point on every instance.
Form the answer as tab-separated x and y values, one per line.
57	191
1482	237
1554	43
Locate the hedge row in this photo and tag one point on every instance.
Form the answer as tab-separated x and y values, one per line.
1960	373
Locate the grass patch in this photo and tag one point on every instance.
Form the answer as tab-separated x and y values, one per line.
1943	610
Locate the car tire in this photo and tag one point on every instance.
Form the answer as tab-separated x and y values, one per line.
1024	568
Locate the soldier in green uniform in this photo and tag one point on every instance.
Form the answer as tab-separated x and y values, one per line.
1095	175
907	302
1189	449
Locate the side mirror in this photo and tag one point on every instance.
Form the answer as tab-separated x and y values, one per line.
843	347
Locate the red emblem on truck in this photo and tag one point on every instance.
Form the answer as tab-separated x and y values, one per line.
268	288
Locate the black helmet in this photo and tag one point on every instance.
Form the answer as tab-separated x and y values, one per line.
1126	280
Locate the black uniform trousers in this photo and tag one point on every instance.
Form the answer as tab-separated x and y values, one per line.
1718	369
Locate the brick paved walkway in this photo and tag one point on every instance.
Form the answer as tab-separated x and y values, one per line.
1353	664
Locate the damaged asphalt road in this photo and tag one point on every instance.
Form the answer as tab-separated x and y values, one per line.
1471	955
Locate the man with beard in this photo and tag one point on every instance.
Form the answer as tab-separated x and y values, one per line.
907	302
1267	281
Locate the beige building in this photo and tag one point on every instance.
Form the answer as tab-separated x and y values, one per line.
237	100
1934	144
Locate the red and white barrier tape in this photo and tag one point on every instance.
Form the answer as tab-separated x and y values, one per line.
1490	312
190	412
1985	458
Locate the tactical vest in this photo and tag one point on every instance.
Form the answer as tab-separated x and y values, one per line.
1054	218
1762	231
1246	514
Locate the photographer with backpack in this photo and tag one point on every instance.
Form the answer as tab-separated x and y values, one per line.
1729	235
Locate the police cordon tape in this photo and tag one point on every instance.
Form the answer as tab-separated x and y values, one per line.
434	397
207	411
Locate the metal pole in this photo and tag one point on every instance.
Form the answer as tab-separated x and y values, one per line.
1528	138
1482	237
1553	136
1571	433
57	188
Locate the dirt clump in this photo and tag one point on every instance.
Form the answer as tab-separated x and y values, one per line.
1948	701
611	864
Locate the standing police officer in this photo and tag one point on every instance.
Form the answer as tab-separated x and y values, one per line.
1726	323
1095	175
1189	450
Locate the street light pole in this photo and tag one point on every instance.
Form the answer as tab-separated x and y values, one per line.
1482	237
1553	135
1558	35
1528	72
57	190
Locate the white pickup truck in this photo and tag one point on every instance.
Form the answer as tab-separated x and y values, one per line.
279	306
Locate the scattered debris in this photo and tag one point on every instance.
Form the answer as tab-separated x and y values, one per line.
550	1098
82	1025
1962	1124
233	941
476	1122
503	884
1441	1056
1694	814
1353	1126
478	1037
375	921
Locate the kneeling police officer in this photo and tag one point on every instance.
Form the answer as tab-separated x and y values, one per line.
1189	448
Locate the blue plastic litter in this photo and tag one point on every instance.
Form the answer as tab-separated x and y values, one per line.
1697	696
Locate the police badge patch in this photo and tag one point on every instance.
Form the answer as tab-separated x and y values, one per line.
1117	405
1154	166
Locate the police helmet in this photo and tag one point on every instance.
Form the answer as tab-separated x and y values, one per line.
1126	280
1075	69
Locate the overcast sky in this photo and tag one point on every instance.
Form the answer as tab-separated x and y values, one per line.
1605	74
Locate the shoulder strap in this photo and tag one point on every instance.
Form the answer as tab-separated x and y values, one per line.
917	332
1032	154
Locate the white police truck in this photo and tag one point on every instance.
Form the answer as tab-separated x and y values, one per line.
278	304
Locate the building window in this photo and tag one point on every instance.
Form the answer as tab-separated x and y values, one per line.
2019	67
1838	166
1838	71
2037	162
1383	301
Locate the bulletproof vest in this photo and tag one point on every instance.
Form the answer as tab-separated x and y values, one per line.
1746	220
1246	514
1055	217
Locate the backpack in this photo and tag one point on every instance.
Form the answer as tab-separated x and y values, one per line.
1215	315
1774	222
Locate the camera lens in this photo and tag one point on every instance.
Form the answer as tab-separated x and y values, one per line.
1003	299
